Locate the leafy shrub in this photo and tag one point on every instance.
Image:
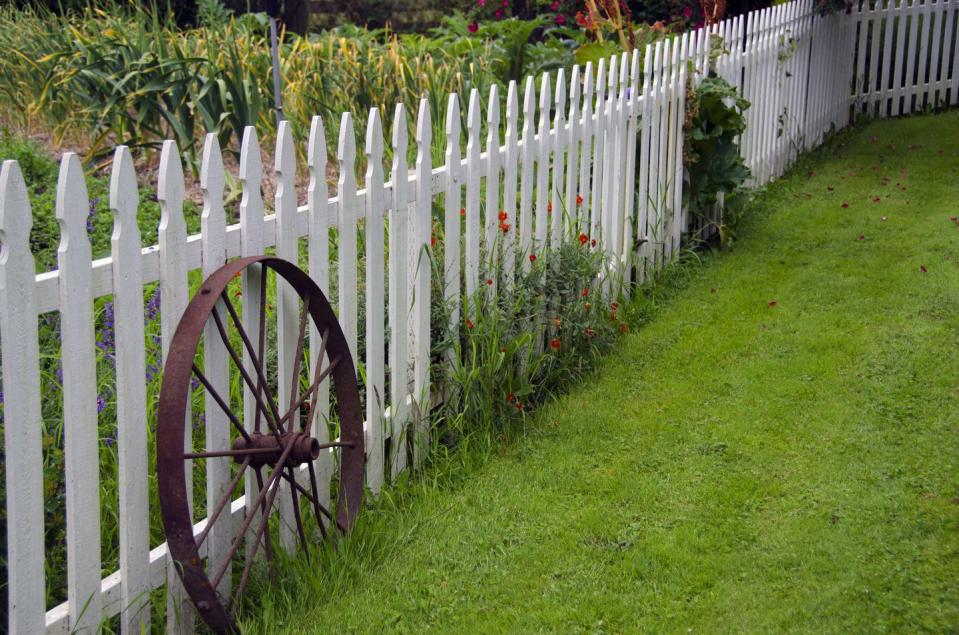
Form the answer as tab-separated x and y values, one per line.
714	122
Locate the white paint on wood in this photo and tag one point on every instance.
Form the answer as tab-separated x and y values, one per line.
131	404
19	349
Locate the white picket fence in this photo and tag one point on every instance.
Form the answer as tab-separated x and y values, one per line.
804	74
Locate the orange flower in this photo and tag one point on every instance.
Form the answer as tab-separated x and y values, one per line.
502	215
504	227
579	199
469	324
587	305
558	323
585	292
532	257
549	207
432	241
462	211
511	397
554	343
583	239
237	274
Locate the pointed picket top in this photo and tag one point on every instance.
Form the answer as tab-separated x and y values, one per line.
647	68
15	217
124	199
474	114
600	84
492	113
452	121
251	165
512	104
374	139
212	179
587	85
575	88
529	106
285	161
71	208
623	74
170	189
316	153
424	133
544	103
22	438
213	216
560	95
400	138
346	148
611	79
634	76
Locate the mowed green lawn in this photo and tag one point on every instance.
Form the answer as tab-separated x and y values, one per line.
778	449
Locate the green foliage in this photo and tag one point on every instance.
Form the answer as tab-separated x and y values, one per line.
714	123
519	348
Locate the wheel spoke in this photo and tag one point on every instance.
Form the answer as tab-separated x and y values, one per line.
261	337
323	510
223	501
274	478
258	362
316	499
219	400
291	476
274	488
311	394
297	359
239	364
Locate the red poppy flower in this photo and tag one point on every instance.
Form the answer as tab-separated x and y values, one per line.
579	199
432	241
504	227
585	292
469	324
583	239
554	343
502	215
549	207
511	397
592	243
532	257
462	211
489	281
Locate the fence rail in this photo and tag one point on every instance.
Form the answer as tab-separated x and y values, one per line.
600	153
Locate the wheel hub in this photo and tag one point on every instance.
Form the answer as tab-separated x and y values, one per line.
266	449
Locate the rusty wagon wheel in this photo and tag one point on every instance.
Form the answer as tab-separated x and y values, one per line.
276	450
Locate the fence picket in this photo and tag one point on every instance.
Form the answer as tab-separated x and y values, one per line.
318	257
525	218
347	212
493	207
510	164
586	152
422	273
398	293
543	204
375	346
174	289
558	153
473	177
19	348
596	157
571	208
251	244
452	223
130	396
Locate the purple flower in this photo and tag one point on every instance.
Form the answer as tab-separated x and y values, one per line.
101	404
153	306
109	442
194	383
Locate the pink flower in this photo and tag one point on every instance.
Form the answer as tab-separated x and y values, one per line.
554	6
505	3
499	14
560	20
473	27
688	12
481	3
